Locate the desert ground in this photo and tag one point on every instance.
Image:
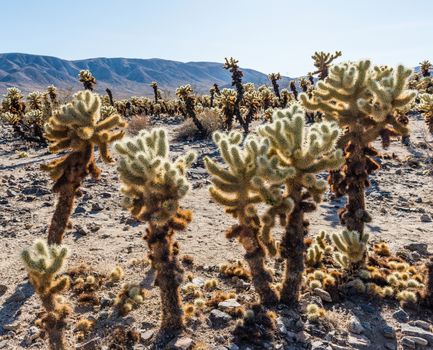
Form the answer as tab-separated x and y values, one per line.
104	235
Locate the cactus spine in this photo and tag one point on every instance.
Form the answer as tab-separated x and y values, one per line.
307	154
153	186
76	127
250	178
362	101
43	264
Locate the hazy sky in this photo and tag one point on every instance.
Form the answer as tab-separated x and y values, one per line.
267	35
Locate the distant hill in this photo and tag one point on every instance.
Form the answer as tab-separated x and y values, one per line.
124	76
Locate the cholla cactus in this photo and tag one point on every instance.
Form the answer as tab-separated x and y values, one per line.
274	77
425	67
156	92
292	86
52	92
226	101
317	250
322	61
185	94
351	249
44	264
87	79
251	178
153	186
34	100
232	65
307	154
426	108
110	96
76	127
362	101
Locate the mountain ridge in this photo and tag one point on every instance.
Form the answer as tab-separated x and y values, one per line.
124	76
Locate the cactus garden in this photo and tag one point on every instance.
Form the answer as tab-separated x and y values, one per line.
294	213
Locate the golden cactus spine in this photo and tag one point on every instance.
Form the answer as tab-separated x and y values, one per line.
306	154
76	127
44	264
239	187
153	186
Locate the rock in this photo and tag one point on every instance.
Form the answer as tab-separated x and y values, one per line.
318	345
219	318
32	334
390	346
183	343
97	207
105	194
422	324
425	218
3	344
3	289
323	294
281	326
401	315
11	327
388	332
421	248
408	343
355	326
219	347
35	190
233	347
358	341
407	329
198	281
418	340
228	304
147	335
79	210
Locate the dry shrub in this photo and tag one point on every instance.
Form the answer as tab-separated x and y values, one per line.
210	119
138	123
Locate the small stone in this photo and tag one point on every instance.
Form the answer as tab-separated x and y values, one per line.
184	343
97	207
219	318
32	334
323	294
405	341
3	344
401	315
318	345
11	327
355	326
198	281
425	218
228	304
388	332
419	341
407	329
3	289
281	326
421	248
356	340
233	347
79	210
422	324
147	335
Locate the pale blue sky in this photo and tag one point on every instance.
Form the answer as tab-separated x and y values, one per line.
268	35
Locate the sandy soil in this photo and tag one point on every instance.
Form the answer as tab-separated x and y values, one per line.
104	235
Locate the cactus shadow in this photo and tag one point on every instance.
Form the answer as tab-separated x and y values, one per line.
9	310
